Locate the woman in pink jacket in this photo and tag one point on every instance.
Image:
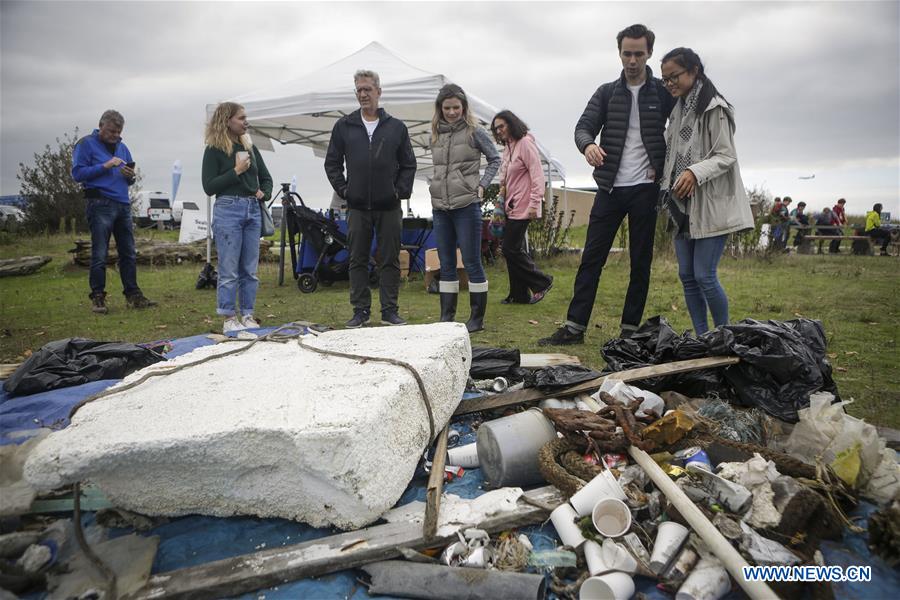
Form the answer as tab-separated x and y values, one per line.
522	186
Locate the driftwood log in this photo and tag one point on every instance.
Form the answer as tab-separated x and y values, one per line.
24	265
156	252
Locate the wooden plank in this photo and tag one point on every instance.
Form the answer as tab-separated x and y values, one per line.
435	485
532	395
536	361
243	574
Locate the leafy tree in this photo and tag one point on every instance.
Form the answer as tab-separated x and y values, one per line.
54	198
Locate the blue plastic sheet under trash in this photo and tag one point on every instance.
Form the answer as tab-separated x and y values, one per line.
195	540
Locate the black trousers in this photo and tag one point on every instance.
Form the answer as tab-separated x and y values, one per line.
880	234
387	226
524	276
638	203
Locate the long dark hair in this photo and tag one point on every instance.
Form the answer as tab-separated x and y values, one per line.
515	127
688	59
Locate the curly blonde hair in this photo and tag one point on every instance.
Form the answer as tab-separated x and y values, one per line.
217	128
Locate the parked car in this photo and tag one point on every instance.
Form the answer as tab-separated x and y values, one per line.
151	207
10	218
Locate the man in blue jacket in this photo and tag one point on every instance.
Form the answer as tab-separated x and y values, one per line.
381	168
102	164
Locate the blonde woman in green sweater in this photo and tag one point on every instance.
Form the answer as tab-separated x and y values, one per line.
234	172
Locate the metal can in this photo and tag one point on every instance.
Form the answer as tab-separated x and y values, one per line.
693	455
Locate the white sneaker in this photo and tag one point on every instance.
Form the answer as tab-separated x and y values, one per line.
232	324
249	322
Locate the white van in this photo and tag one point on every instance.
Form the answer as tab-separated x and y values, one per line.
151	207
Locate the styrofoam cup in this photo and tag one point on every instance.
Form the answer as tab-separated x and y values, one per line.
612	586
563	519
616	557
593	556
480	558
669	538
708	581
611	517
602	486
463	456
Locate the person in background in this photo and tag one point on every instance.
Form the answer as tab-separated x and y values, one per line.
838	212
874	229
380	169
522	187
234	172
102	164
702	183
800	220
629	114
457	145
825	225
779	217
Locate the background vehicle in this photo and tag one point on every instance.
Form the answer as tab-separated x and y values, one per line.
151	207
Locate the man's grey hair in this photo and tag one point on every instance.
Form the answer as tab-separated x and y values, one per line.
370	74
114	117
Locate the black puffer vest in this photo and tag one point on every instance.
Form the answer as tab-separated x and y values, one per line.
608	112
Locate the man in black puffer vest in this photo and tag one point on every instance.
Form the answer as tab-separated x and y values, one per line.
630	115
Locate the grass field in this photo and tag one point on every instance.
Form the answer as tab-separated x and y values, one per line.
857	299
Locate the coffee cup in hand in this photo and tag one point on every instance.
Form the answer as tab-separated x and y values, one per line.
240	157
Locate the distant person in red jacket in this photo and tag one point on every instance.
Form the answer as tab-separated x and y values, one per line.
838	212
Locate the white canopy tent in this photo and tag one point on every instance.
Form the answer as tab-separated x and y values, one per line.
303	110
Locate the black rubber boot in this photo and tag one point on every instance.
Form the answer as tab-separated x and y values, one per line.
478	302
448	306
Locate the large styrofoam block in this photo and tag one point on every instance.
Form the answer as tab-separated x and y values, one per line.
275	431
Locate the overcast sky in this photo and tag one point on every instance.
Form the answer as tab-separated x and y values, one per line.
816	85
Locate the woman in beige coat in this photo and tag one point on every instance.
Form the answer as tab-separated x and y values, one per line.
702	184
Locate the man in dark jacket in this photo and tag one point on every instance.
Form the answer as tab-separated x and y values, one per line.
381	167
630	115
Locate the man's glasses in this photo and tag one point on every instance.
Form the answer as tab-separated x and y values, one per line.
671	79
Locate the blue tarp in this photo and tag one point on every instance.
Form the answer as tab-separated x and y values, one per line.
195	540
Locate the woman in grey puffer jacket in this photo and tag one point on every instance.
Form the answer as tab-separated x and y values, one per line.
457	145
705	194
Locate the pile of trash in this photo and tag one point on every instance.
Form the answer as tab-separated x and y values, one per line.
672	484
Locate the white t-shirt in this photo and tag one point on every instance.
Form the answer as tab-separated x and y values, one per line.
634	167
370	126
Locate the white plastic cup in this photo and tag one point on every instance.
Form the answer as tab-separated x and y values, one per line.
611	517
479	558
669	538
463	456
240	157
593	556
612	586
602	486
563	519
708	581
617	557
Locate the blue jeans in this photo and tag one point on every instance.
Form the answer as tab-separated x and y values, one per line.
105	217
236	227
697	263
460	227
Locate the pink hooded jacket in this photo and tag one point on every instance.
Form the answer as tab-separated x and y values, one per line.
522	174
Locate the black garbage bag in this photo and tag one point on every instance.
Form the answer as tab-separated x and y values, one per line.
74	361
548	379
655	342
490	362
782	362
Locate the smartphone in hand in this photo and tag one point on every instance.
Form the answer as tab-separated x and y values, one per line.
130	165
